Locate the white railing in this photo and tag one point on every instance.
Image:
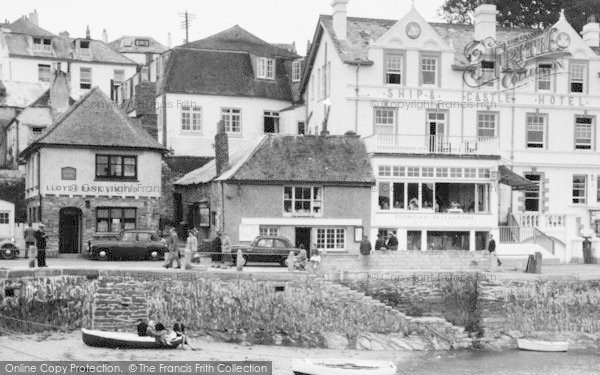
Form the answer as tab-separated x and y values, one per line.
432	144
535	220
515	234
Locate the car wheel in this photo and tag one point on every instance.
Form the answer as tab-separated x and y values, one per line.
9	252
103	254
154	254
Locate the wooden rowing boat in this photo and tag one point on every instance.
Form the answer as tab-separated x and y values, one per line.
342	367
542	346
125	340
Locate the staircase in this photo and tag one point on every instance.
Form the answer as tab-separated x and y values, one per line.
517	242
427	333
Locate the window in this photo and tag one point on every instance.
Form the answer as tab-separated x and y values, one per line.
115	219
393	68
4	217
191	118
116	166
331	238
486	125
598	189
271	121
384	121
577	77
44	73
85	78
301	128
233	120
413	171
584	130
470	173
429	70
535	130
296	70
385	171
37	45
302	200
142	42
265	68
456	172
532	194
579	189
441	172
488	70
268	231
119	75
84	48
544	77
47	46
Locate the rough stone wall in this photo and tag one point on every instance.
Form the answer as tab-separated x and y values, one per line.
147	215
531	306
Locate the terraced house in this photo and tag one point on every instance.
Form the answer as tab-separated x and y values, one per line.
93	173
470	127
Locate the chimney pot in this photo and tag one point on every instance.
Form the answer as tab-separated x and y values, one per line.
87	32
104	36
221	149
340	20
485	21
59	93
33	17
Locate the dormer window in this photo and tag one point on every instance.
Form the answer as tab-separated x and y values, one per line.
84	48
265	68
142	43
42	45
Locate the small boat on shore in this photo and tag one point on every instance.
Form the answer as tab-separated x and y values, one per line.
342	367
125	340
542	346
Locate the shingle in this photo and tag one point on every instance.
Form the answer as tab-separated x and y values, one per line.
95	121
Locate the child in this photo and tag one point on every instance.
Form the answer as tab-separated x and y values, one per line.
32	255
179	329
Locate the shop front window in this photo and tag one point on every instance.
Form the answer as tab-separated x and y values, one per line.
441	240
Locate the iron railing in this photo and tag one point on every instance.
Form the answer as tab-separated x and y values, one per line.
432	144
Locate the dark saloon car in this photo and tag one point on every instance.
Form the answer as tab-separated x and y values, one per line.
130	244
267	249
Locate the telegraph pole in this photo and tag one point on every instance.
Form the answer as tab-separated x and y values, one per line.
187	23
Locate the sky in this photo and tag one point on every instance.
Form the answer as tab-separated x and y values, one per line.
275	21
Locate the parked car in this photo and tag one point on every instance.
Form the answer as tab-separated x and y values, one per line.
8	248
131	244
267	249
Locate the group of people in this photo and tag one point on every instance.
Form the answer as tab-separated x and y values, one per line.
389	242
35	245
222	245
174	255
160	333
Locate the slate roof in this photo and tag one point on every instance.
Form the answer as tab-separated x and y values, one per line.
238	39
24	26
360	31
191	71
276	159
126	44
20	94
95	121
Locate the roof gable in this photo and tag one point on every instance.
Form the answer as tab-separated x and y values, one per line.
95	121
24	26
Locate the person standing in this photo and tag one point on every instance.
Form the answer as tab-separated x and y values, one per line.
365	251
191	245
492	250
29	235
172	244
226	250
40	242
392	243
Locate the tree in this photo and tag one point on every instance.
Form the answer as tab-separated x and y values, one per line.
537	14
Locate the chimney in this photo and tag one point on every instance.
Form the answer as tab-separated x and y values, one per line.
169	41
87	32
104	36
33	17
591	32
339	18
485	21
59	93
221	149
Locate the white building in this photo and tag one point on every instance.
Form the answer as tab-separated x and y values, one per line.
28	53
441	121
141	49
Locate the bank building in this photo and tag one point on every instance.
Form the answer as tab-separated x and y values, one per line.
472	129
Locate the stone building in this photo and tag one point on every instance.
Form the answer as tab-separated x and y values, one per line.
314	190
93	173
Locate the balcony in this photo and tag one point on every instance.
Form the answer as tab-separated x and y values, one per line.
431	144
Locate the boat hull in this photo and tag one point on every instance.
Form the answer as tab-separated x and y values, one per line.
542	346
342	367
106	339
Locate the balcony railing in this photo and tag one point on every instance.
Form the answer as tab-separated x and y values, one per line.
432	144
541	220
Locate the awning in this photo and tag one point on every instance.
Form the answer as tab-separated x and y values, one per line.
510	178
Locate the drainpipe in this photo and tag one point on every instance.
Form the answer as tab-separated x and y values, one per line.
356	89
223	207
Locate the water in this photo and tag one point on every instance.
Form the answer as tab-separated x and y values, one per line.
505	362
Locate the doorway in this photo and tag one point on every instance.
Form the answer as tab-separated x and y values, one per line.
303	238
69	238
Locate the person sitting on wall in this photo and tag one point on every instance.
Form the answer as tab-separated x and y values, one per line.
392	243
142	327
380	243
